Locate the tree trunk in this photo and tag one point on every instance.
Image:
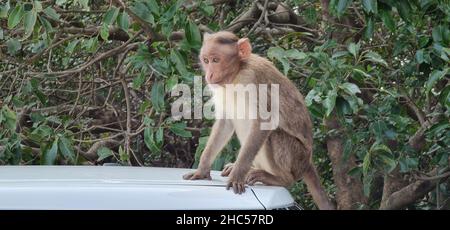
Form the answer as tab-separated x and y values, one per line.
349	192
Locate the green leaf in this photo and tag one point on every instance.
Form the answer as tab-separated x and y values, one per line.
111	15
29	22
65	146
312	95
387	19
339	54
141	10
143	107
355	172
176	59
295	54
404	10
139	80
407	164
378	128
37	6
153	6
367	183
149	140
366	163
37	91
49	156
350	88
207	9
4	8
91	44
368	31
157	96
83	3
435	76
353	102
419	56
353	49
423	41
275	53
378	147
179	129
104	32
437	34
370	6
342	5
444	97
123	156
9	117
330	101
103	153
123	20
13	46
347	150
375	57
193	35
280	55
361	72
48	27
171	82
51	13
311	15
286	66
387	160
71	46
160	136
15	16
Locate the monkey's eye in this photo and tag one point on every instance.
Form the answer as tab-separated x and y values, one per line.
215	60
206	60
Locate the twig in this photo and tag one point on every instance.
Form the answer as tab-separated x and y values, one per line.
102	56
260	18
441	176
128	107
78	95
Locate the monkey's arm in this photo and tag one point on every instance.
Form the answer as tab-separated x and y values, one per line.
221	133
247	153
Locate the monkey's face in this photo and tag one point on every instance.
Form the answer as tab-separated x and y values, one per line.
220	62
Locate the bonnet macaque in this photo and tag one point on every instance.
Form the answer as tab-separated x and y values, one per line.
280	156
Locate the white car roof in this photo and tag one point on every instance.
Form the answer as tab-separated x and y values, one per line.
120	187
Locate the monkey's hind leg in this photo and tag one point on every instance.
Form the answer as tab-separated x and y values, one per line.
259	175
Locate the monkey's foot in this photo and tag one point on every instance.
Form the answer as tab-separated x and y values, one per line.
236	181
197	175
227	169
238	187
259	175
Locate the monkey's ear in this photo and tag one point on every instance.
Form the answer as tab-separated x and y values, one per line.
245	48
206	35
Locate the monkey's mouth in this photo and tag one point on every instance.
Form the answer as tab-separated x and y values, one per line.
216	82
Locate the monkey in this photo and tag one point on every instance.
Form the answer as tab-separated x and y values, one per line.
280	156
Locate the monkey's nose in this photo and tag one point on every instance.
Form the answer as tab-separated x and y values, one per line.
209	78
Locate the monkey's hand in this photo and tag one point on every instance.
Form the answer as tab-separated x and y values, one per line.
197	175
237	183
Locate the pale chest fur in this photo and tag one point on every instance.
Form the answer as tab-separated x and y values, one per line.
240	109
237	108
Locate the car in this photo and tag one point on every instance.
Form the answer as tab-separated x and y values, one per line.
128	188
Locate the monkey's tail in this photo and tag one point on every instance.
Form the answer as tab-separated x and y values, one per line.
312	180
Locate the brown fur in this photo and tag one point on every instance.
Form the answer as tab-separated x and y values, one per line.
273	157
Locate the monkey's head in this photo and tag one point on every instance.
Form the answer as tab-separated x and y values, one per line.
221	56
